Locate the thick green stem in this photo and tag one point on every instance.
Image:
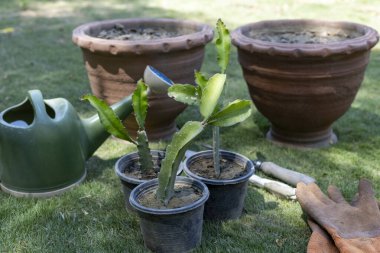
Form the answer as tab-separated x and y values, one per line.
215	150
145	157
174	154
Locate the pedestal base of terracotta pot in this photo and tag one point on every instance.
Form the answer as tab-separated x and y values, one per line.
318	139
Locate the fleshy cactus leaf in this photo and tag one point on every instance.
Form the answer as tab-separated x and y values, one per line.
108	118
174	154
145	157
223	45
211	94
200	79
184	93
140	103
233	113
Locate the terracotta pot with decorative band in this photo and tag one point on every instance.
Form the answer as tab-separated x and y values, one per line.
303	87
115	66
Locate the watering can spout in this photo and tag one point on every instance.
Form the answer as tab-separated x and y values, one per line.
95	133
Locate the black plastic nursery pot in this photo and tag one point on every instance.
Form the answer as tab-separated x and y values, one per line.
226	195
171	230
129	183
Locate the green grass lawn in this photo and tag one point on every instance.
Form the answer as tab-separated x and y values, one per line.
39	54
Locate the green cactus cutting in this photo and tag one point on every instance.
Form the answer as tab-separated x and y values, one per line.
174	154
209	91
223	45
114	126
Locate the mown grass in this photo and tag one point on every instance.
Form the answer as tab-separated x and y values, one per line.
91	217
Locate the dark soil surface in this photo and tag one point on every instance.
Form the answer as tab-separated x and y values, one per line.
304	37
134	171
205	168
183	195
119	32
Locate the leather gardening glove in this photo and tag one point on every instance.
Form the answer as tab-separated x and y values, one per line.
353	228
320	241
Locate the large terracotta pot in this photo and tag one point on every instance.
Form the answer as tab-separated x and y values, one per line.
303	88
115	66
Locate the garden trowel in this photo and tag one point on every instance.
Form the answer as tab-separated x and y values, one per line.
278	188
290	177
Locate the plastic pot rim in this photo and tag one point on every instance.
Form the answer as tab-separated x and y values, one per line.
119	169
144	187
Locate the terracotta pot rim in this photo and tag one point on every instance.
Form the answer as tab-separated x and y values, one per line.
365	42
203	35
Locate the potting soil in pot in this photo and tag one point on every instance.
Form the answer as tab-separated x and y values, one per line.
205	168
134	171
183	195
119	32
303	37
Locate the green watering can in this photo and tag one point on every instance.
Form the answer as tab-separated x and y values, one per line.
44	143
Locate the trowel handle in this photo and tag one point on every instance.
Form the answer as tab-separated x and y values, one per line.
288	176
275	187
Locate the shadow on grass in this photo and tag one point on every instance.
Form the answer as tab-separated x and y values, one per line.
89	217
262	123
96	167
259	229
255	203
359	127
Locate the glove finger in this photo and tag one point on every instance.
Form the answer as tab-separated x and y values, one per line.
355	201
365	188
367	195
311	192
311	200
319	194
335	194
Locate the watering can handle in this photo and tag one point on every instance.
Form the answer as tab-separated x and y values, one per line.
37	101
